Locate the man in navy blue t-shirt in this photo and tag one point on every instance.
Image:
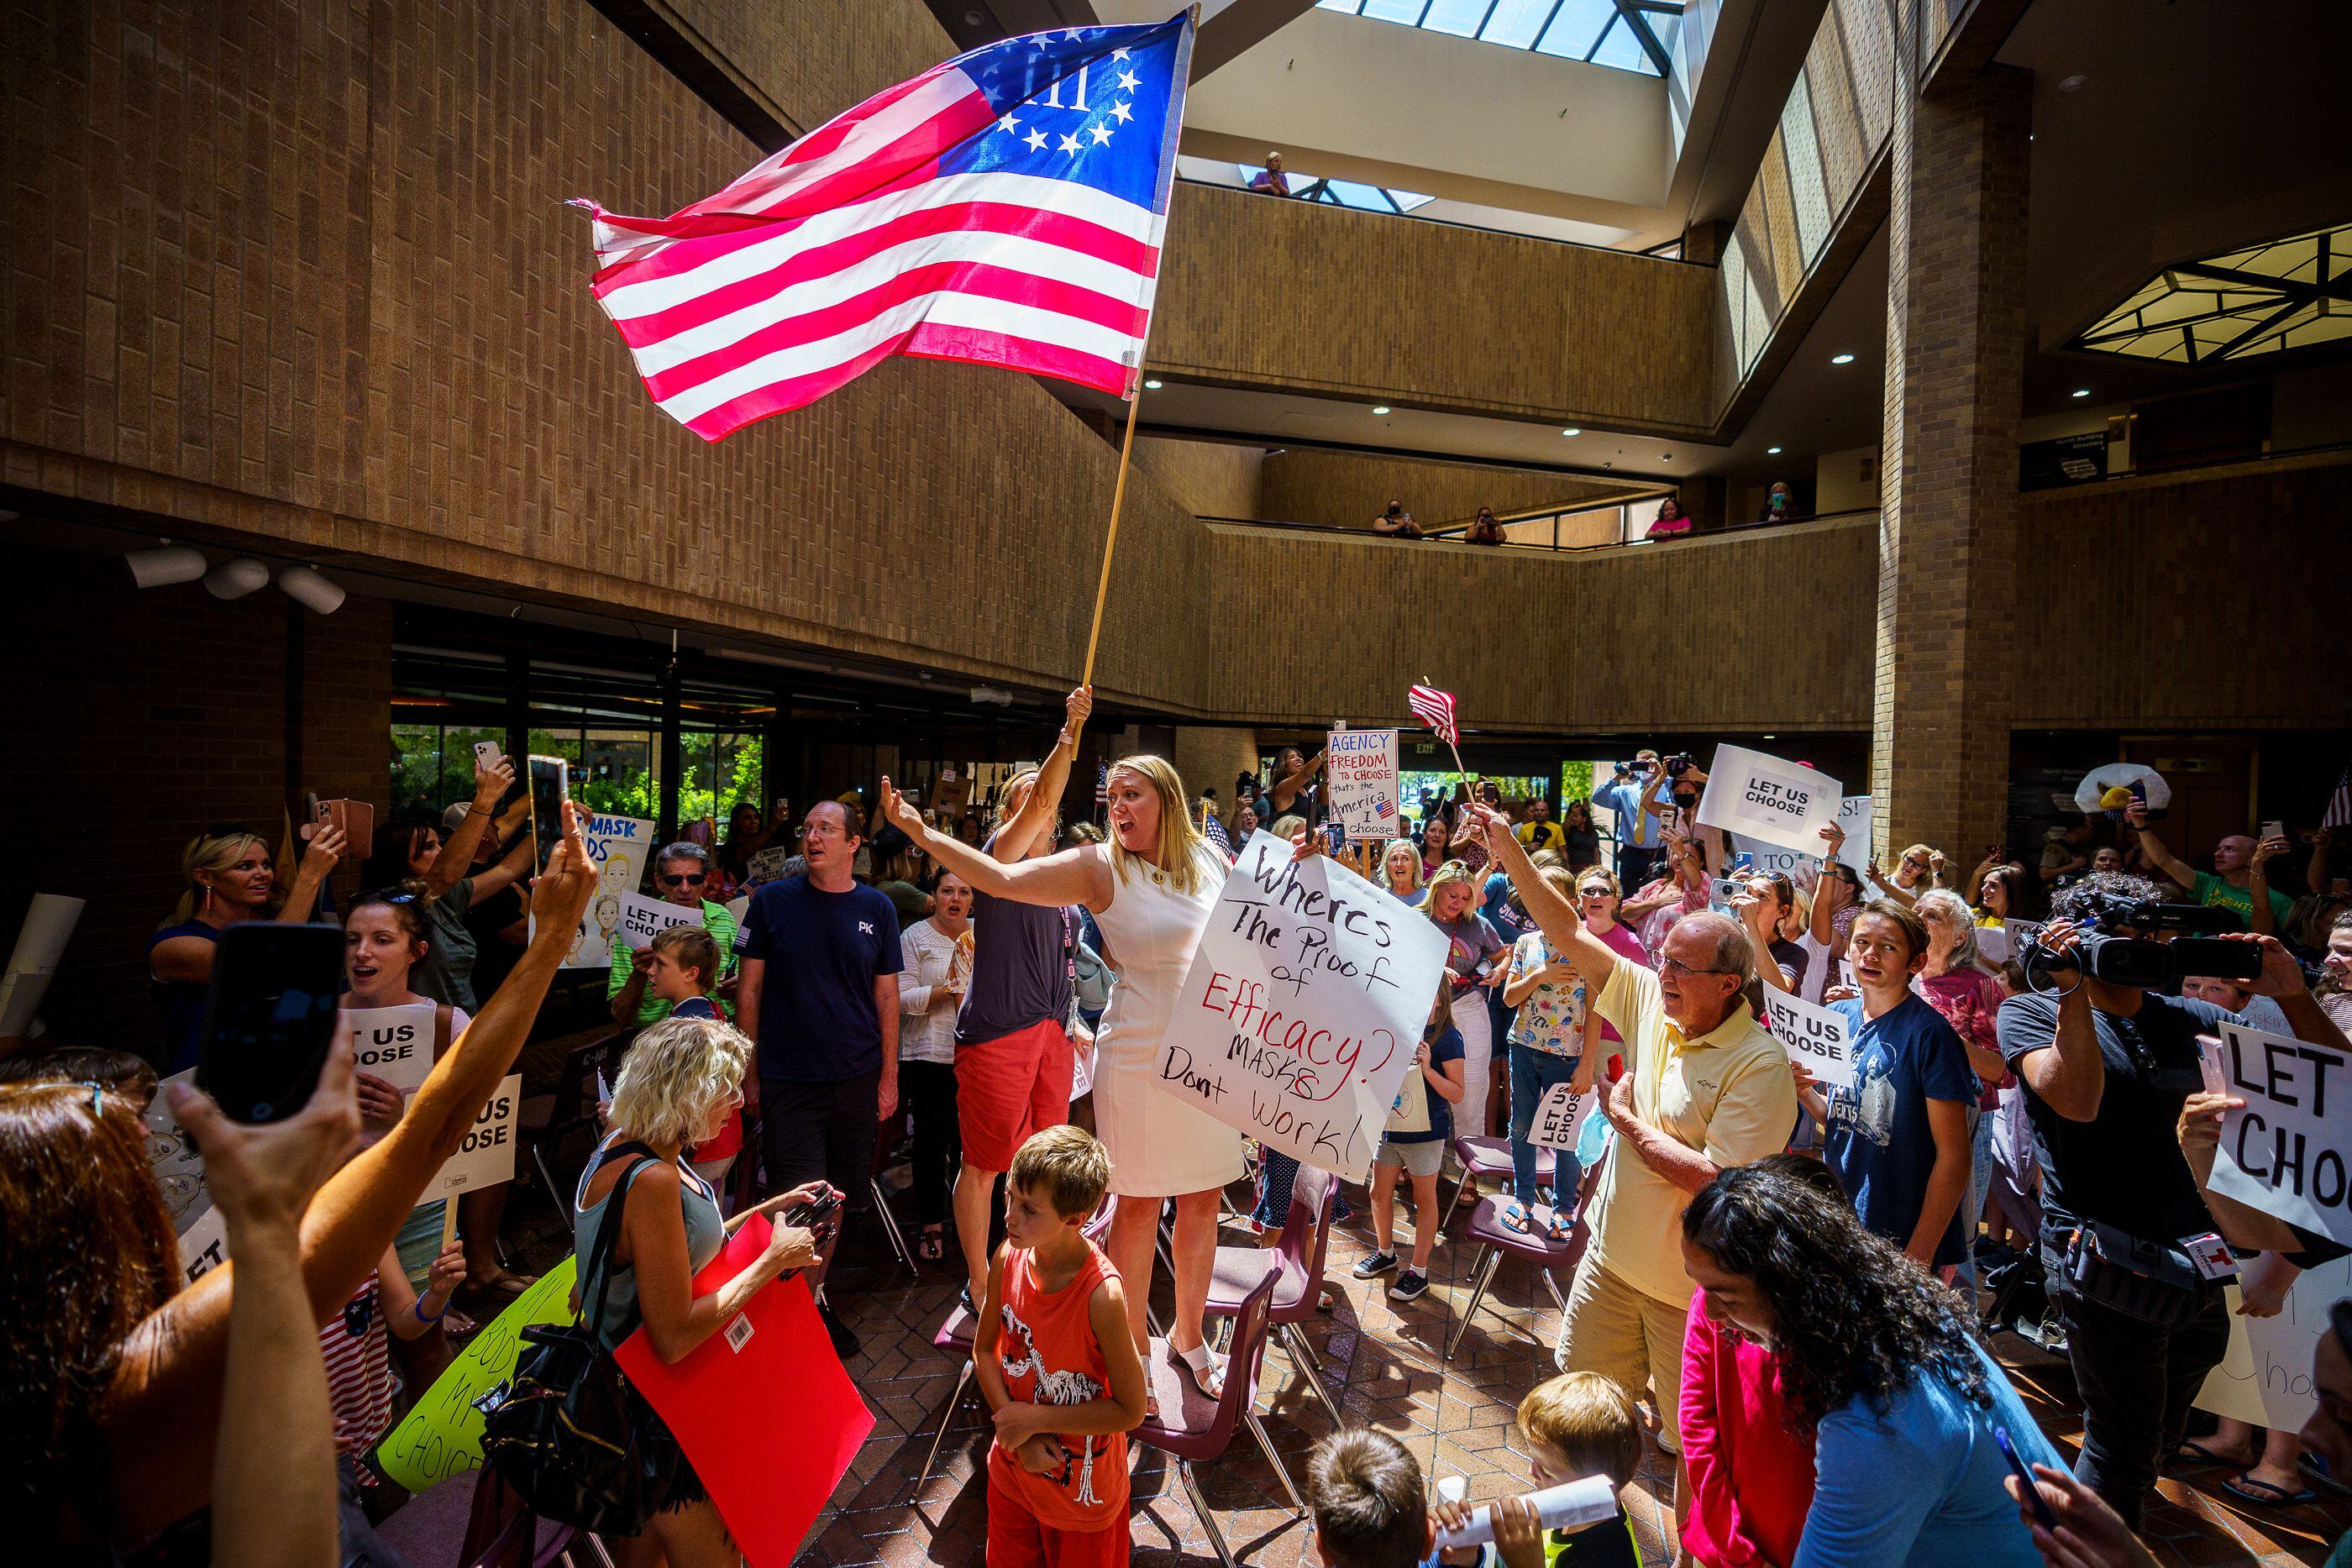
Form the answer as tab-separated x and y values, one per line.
819	997
1898	1140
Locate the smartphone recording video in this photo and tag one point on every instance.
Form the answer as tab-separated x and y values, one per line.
550	785
269	1018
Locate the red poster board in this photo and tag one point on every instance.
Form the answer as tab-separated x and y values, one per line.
762	1409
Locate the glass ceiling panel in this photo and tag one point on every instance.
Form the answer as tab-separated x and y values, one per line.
1594	30
2214	309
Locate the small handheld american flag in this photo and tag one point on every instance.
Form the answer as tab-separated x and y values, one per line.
1435	709
2339	804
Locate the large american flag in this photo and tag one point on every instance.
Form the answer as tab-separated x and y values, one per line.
1006	208
1435	709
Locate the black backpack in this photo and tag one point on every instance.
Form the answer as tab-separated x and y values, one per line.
567	1431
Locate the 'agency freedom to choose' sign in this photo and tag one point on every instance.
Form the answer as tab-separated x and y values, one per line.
1299	1020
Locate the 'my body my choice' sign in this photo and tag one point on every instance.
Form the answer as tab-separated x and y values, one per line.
1299	1018
1768	798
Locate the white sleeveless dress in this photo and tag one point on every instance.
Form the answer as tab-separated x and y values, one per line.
1160	1145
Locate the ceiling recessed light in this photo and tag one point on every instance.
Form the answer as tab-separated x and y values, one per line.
2082	392
1571	430
1772	452
1771	737
1383	408
2074	83
1665	457
1841	359
1151	386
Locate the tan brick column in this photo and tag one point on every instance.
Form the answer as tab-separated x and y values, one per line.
1947	622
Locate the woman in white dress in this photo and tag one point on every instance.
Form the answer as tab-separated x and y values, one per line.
1151	888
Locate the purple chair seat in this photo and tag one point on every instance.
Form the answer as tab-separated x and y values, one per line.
956	1332
1488	1228
1489	1158
1187	1423
1240	1268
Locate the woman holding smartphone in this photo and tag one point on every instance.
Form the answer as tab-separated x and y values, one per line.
414	856
230	877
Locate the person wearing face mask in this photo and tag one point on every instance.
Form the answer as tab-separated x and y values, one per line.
229	878
1779	504
1881	1364
931	988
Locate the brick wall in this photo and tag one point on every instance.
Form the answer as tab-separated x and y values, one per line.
155	716
1319	299
1206	478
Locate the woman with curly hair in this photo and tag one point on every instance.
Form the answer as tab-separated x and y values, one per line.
1881	1363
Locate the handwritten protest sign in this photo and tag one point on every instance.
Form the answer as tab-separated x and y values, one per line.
1816	1036
1299	1020
442	1433
486	1158
393	1043
618	846
643	919
1762	797
2265	1378
767	1416
2288	1150
1561	1116
1361	765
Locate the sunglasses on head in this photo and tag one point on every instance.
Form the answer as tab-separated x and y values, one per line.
684	879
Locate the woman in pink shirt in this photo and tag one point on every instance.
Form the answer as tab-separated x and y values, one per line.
1751	1479
1957	985
1597	897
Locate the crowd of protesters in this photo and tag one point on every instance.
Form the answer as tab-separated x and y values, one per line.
1784	1286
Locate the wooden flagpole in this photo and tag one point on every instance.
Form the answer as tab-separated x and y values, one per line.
1118	496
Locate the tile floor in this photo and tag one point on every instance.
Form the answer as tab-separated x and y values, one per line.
1385	1366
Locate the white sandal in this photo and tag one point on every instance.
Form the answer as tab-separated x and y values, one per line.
1202	1370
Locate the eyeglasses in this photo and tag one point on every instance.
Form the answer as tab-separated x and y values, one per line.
690	879
1678	968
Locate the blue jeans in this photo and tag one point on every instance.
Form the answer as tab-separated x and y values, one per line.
1533	1072
1972	1202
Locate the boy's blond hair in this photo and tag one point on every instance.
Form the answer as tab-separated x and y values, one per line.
1587	1421
1065	1166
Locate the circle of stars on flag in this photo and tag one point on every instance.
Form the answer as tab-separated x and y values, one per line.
1095	133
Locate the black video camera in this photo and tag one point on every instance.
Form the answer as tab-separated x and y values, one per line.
2142	962
1679	764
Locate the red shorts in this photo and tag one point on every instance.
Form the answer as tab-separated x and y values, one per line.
1008	1088
1017	1538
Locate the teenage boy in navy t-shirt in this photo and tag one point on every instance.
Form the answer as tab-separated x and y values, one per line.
1898	1140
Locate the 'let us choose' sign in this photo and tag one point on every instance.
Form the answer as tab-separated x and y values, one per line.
1299	1018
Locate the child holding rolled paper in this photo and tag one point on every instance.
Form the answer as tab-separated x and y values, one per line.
1583	1441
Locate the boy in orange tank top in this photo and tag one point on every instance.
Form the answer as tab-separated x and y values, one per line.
1058	1366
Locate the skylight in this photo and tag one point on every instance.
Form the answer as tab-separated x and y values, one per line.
1628	35
2261	299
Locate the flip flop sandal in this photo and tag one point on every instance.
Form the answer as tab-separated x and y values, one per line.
1557	1228
507	1287
2264	1495
1515	1216
931	1246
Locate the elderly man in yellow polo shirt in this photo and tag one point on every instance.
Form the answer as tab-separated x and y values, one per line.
1704	1089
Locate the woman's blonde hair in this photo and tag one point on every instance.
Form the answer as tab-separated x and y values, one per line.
675	1078
1446	875
215	851
1607	877
1180	849
1413	853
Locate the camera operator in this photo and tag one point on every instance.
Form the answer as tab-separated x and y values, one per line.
1641	837
2107	1067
